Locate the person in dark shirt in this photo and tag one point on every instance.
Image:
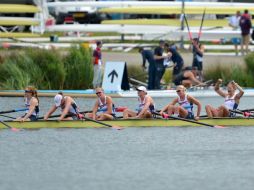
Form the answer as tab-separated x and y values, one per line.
176	59
245	24
147	55
159	60
198	52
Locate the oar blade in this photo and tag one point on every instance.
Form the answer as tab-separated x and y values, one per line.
117	127
15	129
219	127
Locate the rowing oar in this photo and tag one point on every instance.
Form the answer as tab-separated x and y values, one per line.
14	110
7	116
244	113
166	116
8	126
102	123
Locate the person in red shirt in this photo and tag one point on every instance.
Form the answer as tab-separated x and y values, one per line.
97	65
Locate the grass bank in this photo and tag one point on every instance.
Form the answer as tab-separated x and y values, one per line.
47	69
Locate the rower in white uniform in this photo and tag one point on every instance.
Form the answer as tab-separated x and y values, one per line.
185	102
103	108
145	108
69	108
231	102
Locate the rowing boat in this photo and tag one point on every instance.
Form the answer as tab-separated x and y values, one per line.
248	92
129	123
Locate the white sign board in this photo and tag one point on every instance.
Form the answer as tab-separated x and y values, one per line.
113	76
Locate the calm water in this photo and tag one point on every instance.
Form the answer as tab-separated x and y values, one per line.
134	158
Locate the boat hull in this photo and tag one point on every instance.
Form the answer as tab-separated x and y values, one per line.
128	123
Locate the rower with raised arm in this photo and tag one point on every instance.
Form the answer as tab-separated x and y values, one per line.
69	108
145	107
31	103
232	100
185	102
103	108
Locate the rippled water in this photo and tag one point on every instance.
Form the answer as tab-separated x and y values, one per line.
134	158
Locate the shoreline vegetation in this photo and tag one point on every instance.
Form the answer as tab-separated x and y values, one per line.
73	70
47	69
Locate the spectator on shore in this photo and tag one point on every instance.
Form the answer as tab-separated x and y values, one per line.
97	65
234	22
187	77
159	60
147	55
245	24
177	60
198	52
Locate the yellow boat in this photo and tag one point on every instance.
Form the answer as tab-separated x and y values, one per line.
129	123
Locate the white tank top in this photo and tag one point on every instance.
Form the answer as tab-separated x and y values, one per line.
185	103
27	104
142	104
230	102
103	107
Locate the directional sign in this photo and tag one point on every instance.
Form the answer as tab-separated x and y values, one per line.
113	76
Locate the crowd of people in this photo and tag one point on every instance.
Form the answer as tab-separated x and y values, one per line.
165	56
104	108
241	22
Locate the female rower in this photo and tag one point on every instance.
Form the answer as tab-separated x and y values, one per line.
232	100
103	108
70	110
145	107
32	104
185	107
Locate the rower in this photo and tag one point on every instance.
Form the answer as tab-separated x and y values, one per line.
103	108
232	100
188	78
32	104
145	107
185	107
69	108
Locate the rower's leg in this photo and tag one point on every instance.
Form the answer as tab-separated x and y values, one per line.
171	110
105	116
128	113
182	112
209	112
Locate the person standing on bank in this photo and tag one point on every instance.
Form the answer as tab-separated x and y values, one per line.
198	53
234	23
176	59
97	65
147	55
245	24
159	60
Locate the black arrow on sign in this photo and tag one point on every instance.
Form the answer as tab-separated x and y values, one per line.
112	74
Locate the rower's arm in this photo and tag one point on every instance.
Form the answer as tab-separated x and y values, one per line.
33	103
218	90
197	103
95	109
66	108
52	110
241	92
146	106
109	105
